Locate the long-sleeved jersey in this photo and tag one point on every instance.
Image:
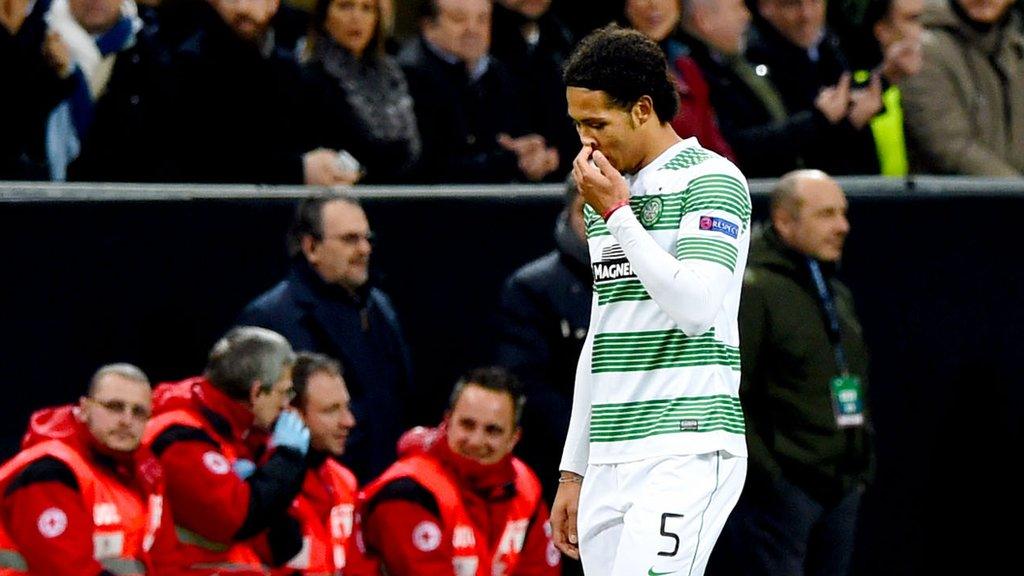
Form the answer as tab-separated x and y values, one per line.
660	370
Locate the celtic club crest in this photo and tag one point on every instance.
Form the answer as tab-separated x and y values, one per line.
651	211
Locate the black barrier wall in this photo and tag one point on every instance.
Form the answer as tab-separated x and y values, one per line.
937	281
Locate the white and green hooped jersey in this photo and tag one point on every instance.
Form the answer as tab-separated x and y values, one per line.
661	366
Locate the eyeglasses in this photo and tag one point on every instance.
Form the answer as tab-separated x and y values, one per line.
352	238
288	393
136	411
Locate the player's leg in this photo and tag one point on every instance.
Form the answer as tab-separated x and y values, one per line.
732	471
680	504
599	520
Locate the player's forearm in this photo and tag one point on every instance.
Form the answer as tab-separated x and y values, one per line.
576	452
689	292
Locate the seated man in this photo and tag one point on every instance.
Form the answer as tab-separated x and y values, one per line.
81	498
326	504
206	432
460	503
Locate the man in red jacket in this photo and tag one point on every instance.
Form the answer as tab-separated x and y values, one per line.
326	505
230	516
81	498
461	504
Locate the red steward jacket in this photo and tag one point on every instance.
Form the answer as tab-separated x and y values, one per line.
197	433
325	508
69	508
436	512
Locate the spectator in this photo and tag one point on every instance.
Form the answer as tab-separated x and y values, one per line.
805	372
791	44
81	498
544	316
238	116
766	138
105	127
461	503
659	21
468	107
327	304
205	427
326	505
39	89
896	28
534	44
361	90
965	110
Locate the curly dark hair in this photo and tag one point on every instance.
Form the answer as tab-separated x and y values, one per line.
626	65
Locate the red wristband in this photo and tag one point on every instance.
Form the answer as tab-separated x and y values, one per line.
608	213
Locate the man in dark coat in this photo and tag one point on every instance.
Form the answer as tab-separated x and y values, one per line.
790	42
237	115
468	107
805	370
327	305
534	44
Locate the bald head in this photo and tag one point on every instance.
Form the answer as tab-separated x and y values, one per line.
808	210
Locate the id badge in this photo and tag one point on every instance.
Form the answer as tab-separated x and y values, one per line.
847	401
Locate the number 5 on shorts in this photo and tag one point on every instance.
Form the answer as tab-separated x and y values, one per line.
675	537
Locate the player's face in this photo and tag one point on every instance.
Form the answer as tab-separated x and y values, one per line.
351	23
342	254
604	126
481	425
820	227
268	404
327	413
117	411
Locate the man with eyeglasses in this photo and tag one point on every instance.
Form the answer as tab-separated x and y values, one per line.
226	514
327	304
81	498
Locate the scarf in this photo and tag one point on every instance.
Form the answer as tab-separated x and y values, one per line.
93	61
487	481
375	89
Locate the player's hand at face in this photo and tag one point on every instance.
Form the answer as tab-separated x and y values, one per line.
599	183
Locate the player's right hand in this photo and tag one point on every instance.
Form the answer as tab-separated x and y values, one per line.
563	519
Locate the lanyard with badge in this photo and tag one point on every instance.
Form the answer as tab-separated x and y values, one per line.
847	393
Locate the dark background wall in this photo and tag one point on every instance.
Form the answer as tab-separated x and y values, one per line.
937	281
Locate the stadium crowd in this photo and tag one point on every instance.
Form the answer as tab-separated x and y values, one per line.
255	91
